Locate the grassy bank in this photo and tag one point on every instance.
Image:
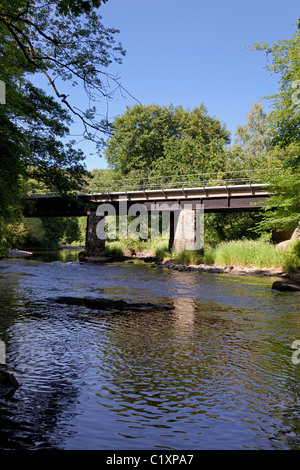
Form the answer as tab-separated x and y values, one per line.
119	248
257	253
242	253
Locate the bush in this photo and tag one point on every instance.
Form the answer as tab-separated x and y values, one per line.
292	257
162	250
209	255
4	247
114	249
188	257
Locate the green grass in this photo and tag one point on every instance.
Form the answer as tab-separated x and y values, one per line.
161	250
255	253
248	252
114	249
187	257
258	253
158	247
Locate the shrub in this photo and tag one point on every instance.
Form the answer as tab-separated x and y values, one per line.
188	257
4	247
114	249
209	255
292	257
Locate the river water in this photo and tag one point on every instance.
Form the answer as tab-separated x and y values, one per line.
214	370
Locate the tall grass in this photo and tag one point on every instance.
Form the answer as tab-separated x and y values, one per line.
248	252
187	257
259	253
158	247
114	249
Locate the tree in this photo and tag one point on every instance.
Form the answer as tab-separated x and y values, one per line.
78	6
283	210
64	46
252	140
154	140
65	42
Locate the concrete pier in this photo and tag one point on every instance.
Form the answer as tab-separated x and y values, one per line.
186	230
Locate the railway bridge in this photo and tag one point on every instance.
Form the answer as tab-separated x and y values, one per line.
184	198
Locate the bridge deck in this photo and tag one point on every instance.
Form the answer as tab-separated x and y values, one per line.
247	197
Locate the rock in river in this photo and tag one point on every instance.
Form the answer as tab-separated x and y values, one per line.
285	286
7	378
109	304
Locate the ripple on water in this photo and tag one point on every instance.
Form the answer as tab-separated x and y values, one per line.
213	372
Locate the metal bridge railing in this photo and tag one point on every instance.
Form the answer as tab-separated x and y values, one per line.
202	180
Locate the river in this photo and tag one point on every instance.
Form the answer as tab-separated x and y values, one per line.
210	368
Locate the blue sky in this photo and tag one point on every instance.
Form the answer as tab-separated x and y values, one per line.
193	52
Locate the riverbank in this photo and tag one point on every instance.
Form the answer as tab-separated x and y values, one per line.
232	269
237	257
171	263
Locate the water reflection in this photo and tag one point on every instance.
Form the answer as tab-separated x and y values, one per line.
213	372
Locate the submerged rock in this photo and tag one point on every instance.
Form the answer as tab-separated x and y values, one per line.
285	286
85	256
7	378
109	304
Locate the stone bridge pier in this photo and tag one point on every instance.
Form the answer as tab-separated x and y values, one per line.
94	246
185	231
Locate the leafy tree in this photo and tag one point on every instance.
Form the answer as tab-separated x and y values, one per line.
283	211
252	140
78	6
48	233
65	43
154	140
220	227
60	230
64	46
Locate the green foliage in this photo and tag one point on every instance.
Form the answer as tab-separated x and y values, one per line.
220	227
155	140
78	6
283	209
49	233
162	250
49	38
35	233
283	59
14	233
284	121
253	139
4	247
188	257
208	255
156	247
241	253
114	249
58	41
292	257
